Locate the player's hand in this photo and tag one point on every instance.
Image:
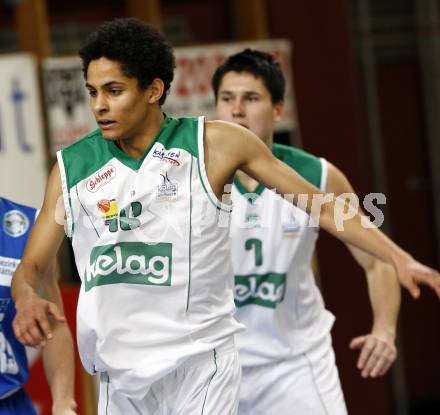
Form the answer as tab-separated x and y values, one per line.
412	273
32	321
377	353
64	407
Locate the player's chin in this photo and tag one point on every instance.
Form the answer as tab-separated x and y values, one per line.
110	135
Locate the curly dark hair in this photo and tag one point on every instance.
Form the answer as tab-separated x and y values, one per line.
143	52
260	64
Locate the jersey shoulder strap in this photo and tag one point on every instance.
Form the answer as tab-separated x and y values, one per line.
307	165
180	133
84	157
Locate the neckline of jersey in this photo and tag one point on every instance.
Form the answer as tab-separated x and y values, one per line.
242	189
135	164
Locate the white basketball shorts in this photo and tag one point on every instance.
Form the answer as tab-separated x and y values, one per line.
206	384
307	384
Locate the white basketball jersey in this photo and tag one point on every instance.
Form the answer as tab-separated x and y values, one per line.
272	246
151	245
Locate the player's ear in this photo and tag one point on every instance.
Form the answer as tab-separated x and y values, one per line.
278	110
155	91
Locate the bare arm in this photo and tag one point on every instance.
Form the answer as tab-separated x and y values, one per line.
31	324
242	150
58	354
377	348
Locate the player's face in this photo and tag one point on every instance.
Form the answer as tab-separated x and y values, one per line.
245	100
119	106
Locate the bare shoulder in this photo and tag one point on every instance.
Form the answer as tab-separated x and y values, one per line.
222	127
227	147
54	181
230	139
225	133
54	190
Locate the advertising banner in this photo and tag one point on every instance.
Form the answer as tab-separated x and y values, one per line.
67	101
191	92
22	149
69	115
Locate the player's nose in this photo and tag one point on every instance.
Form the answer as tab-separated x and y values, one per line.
238	109
99	104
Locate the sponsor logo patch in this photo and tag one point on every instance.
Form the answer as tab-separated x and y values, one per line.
291	227
15	223
108	209
253	220
168	189
129	263
167	156
7	269
101	178
265	290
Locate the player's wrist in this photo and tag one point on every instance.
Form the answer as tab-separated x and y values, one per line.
400	257
383	330
23	295
63	405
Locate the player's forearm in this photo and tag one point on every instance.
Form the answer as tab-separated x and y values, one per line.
335	215
359	232
385	297
58	357
24	282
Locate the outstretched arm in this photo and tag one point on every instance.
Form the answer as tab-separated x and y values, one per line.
377	348
242	150
58	354
31	324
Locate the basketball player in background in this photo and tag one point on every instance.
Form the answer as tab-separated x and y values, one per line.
16	222
288	364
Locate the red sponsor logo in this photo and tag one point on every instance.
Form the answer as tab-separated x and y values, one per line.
104	205
101	178
170	161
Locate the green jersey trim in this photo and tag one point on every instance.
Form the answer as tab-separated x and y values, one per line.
190	234
85	157
163	134
242	189
89	154
305	164
202	170
185	135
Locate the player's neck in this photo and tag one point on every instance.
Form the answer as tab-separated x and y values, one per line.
268	142
136	145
